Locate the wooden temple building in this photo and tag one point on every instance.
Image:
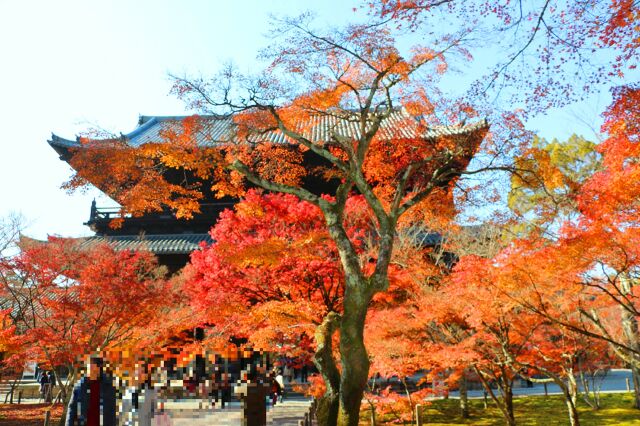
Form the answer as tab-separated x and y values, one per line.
173	239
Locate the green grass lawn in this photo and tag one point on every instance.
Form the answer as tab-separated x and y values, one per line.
617	409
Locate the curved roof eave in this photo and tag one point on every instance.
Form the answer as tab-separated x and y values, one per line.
58	141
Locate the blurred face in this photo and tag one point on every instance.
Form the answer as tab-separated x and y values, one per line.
93	369
140	373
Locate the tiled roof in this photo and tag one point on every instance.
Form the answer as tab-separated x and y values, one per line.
27	301
219	129
157	244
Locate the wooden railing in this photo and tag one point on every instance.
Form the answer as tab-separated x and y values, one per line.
109	213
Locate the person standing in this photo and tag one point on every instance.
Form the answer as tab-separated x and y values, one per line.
139	400
252	393
288	373
44	384
279	378
52	384
93	400
274	388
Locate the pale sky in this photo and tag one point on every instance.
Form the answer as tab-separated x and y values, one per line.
69	65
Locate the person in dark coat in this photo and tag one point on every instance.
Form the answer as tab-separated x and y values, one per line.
51	378
252	393
52	385
93	401
44	384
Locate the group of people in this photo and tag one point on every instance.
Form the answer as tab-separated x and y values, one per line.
293	370
108	397
47	382
93	400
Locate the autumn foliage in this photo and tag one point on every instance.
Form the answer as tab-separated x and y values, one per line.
358	154
66	301
273	273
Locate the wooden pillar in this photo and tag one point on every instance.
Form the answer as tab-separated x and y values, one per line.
47	417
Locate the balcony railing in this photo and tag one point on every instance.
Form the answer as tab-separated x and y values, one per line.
99	214
106	213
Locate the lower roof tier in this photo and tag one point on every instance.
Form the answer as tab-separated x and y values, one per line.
156	244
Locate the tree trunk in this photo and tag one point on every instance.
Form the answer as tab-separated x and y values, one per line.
12	387
66	393
507	391
571	397
327	409
353	354
586	390
635	375
373	413
406	390
573	412
506	404
65	406
630	329
464	401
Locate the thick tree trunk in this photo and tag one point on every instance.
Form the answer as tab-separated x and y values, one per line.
358	291
327	409
464	400
353	354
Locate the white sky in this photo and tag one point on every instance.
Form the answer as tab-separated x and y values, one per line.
69	65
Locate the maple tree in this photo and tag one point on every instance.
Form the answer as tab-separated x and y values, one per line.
599	241
65	302
9	231
541	54
356	77
352	77
476	327
396	350
273	276
485	320
8	347
561	355
479	319
547	179
616	215
572	289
